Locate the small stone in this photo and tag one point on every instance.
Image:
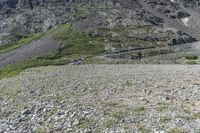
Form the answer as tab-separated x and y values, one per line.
167	98
88	130
31	92
26	112
3	127
69	129
76	122
142	98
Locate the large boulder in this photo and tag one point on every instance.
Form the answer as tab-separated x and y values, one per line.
181	38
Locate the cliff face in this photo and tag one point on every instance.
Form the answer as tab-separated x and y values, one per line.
7	7
31	16
10	8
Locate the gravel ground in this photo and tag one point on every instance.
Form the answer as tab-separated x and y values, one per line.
102	98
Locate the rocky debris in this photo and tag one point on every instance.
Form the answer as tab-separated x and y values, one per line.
161	55
123	25
102	98
32	50
76	62
181	39
34	16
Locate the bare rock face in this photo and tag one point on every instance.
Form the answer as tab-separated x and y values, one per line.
7	7
190	3
32	16
8	3
26	4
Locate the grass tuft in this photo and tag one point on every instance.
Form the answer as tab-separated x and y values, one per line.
191	62
113	118
177	130
191	57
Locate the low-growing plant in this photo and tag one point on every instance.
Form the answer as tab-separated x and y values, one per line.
77	42
41	130
111	104
142	128
86	123
177	130
140	111
14	69
191	62
113	118
185	117
191	57
164	118
161	106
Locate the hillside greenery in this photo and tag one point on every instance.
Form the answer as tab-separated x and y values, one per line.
75	45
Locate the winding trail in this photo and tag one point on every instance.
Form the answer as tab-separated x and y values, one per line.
29	51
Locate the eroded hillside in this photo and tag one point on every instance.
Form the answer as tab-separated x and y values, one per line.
136	31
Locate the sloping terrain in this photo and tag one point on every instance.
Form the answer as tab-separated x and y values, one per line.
30	51
102	98
80	98
122	26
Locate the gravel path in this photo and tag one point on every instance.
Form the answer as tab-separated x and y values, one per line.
102	98
30	51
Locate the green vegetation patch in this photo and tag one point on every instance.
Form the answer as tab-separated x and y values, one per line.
86	123
162	106
111	104
164	119
191	57
15	69
41	130
77	42
142	128
191	62
194	116
177	130
139	111
113	118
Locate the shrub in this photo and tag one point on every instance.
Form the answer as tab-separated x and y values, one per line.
191	62
191	57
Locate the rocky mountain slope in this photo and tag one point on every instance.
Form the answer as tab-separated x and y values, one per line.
78	98
123	26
